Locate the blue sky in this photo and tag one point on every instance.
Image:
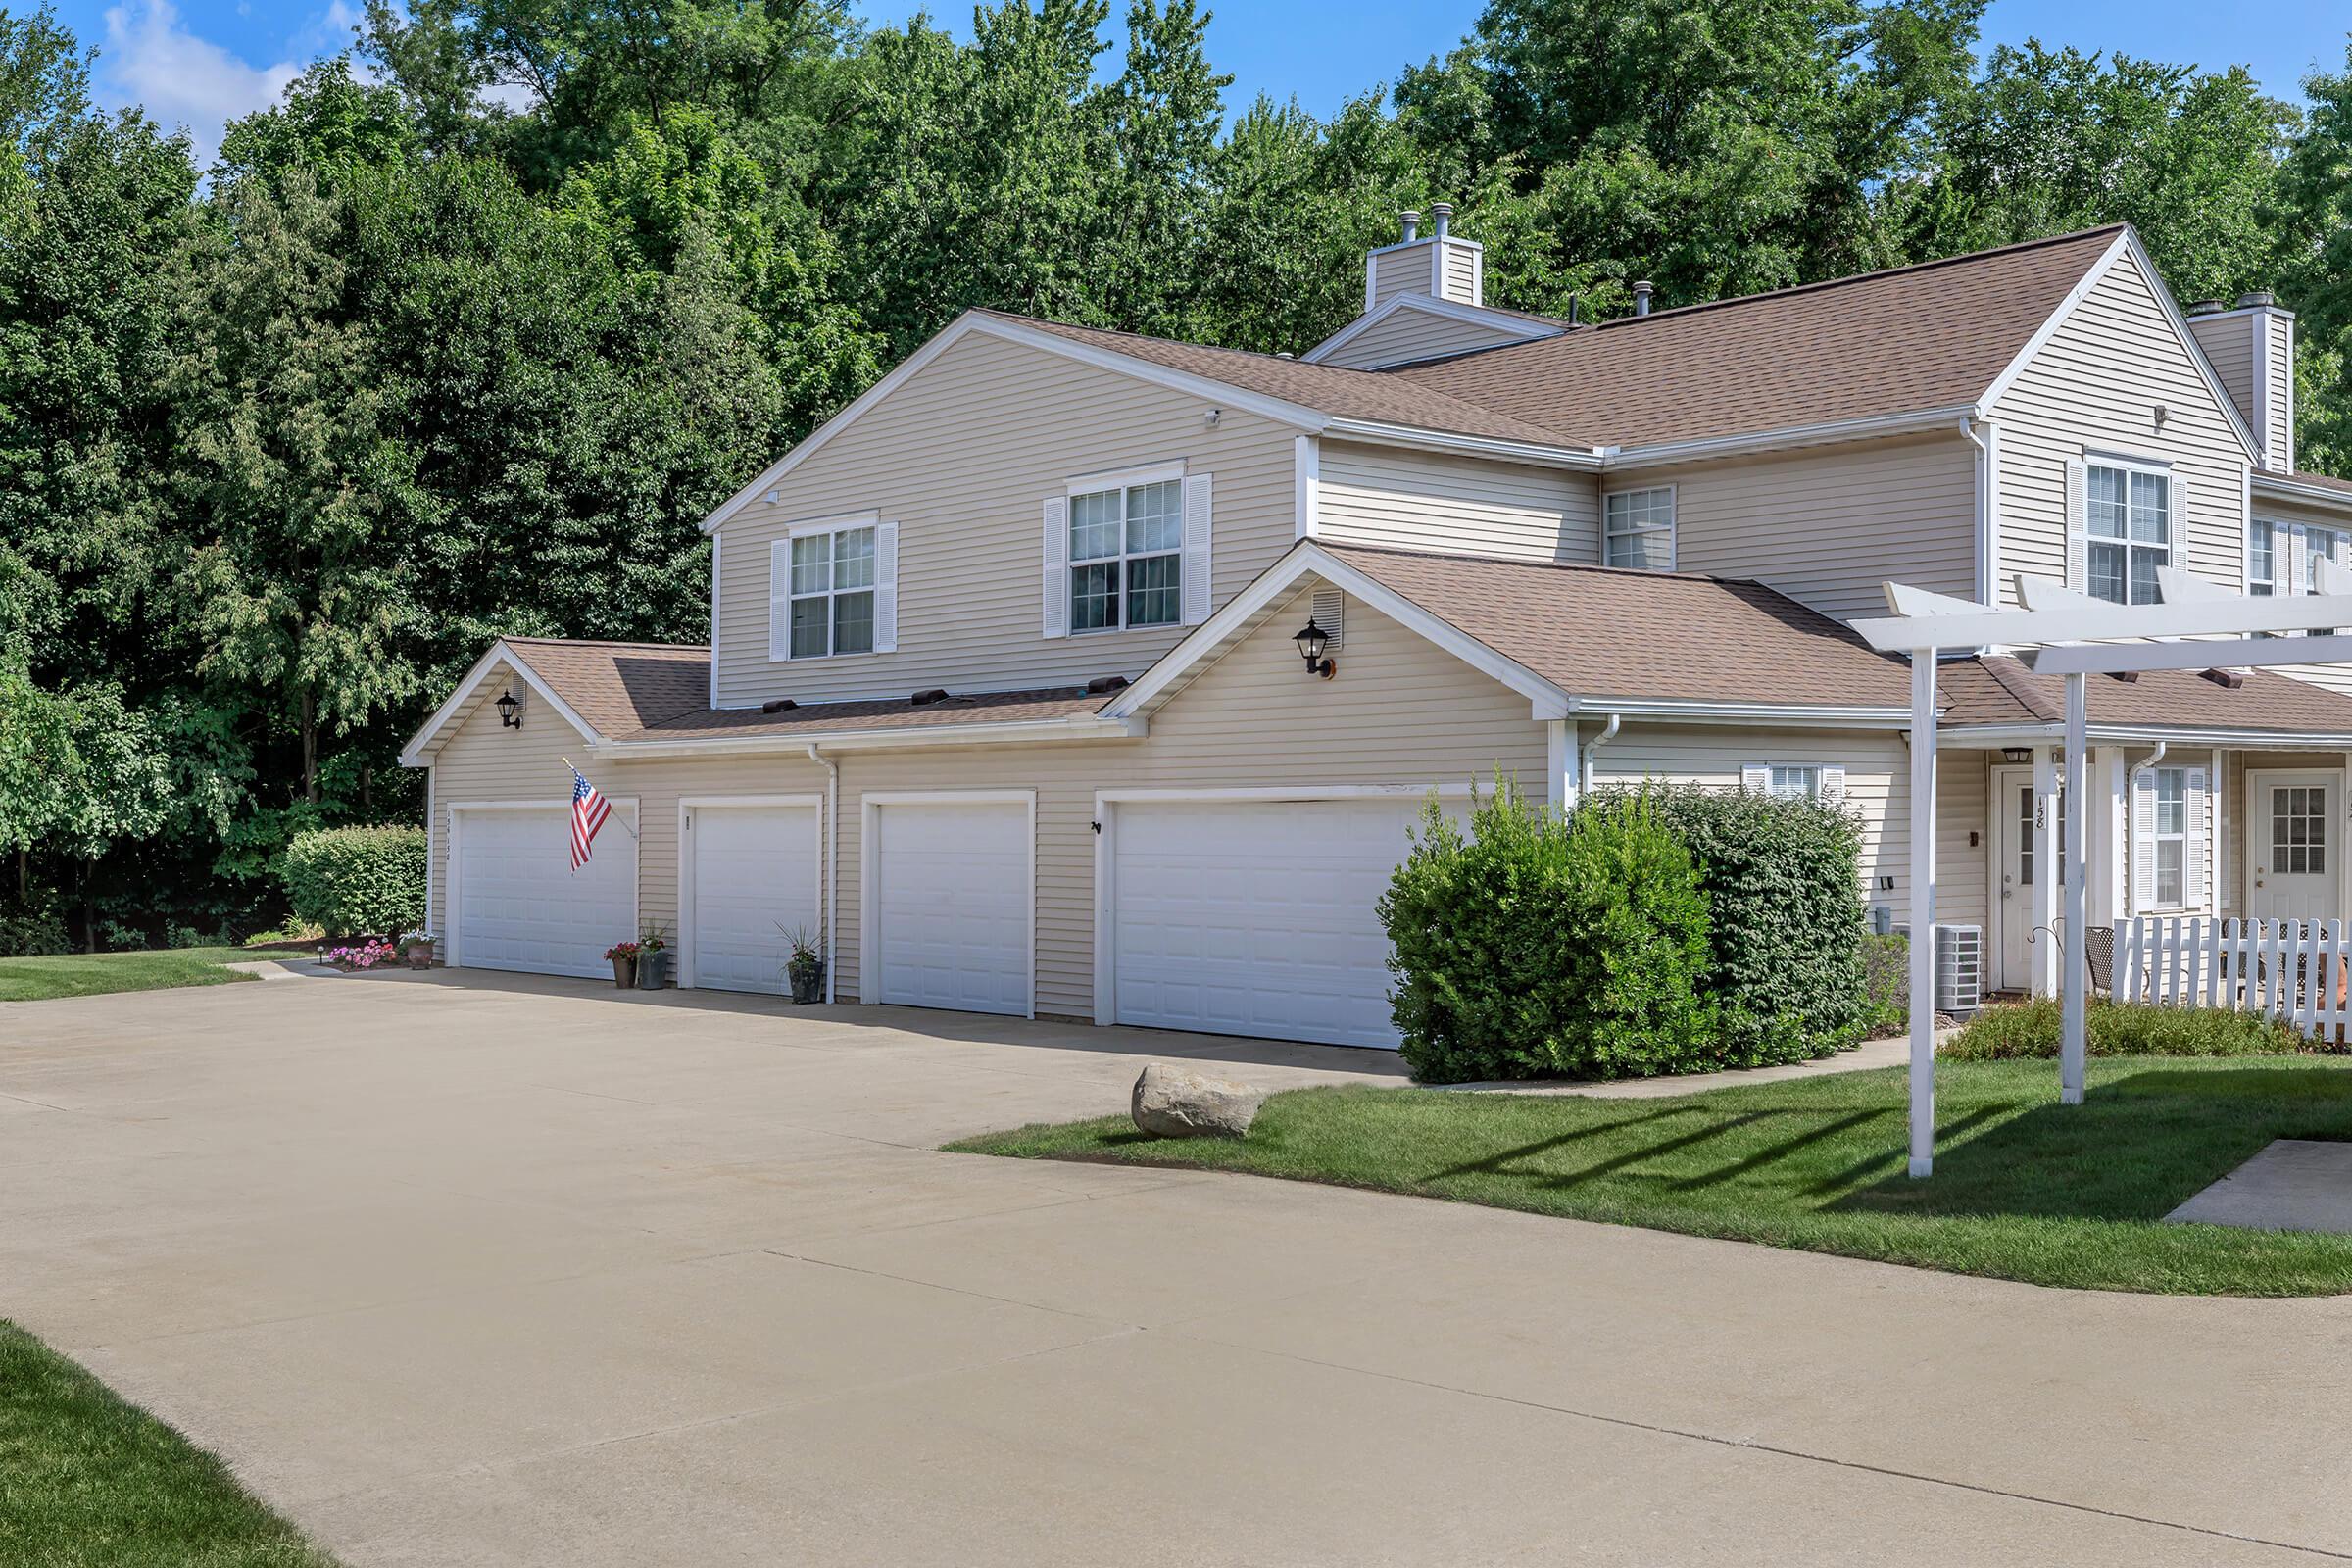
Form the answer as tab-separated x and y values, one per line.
200	62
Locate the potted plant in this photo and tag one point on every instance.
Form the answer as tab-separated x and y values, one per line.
653	959
417	948
804	966
624	964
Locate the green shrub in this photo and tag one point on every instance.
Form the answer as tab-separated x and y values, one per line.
30	933
1886	983
2018	1029
352	881
1529	946
1782	877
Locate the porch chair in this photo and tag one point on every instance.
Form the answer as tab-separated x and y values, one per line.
2099	953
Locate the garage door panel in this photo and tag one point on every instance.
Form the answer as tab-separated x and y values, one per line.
755	879
1258	917
952	905
521	906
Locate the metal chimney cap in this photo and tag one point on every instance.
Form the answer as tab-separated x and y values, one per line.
2257	297
1440	214
1412	225
2207	308
1642	289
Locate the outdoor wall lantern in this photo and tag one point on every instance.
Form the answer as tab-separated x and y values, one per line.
2017	754
1312	644
509	712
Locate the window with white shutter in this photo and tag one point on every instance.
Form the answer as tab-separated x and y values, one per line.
1130	550
2171	838
830	584
2128	514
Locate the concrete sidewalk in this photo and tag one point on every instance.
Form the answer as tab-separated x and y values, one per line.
468	1270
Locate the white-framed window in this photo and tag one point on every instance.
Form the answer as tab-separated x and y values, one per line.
1126	555
2263	539
1813	781
1637	528
833	588
833	593
1797	779
2169	838
2127	518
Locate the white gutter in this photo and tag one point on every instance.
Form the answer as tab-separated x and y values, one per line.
830	873
2244	740
1593	748
2280	484
1081	727
1808	716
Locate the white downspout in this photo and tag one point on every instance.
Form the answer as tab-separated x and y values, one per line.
1988	479
829	874
1587	778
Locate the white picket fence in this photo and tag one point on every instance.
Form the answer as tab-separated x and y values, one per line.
2290	969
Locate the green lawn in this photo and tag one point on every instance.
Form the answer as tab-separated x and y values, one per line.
87	1481
2024	1188
77	974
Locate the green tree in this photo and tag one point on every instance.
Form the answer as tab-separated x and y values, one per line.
2315	195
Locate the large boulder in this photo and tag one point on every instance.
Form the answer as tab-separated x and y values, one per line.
1174	1102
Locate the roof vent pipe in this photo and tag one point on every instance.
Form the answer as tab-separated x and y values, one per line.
1412	225
2207	308
1441	218
1643	289
2244	301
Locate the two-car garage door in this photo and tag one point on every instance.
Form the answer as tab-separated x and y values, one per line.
1255	916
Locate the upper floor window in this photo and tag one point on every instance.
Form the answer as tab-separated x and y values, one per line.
2262	559
832	588
2128	516
1637	528
1127	556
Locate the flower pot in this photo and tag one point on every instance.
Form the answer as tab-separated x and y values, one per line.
419	955
624	973
808	981
653	969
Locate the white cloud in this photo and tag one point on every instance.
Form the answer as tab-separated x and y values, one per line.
151	60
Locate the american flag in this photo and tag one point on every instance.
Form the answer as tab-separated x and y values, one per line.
588	812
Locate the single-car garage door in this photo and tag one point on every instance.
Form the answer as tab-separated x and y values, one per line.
751	870
949	903
1256	917
521	905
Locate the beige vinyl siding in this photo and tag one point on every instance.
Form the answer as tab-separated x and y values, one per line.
2228	342
1411	335
2287	515
1829	527
2278	439
1408	270
1422	501
962	456
2096	384
1463	274
1875	763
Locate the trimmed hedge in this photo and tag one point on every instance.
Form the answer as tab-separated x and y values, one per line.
1533	947
358	881
1781	876
1887	982
2012	1030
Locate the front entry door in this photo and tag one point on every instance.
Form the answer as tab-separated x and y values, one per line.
2292	845
2013	854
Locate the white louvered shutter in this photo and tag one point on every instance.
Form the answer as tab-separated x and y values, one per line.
1755	779
886	587
1833	785
2077	525
779	599
2143	840
2194	851
1056	545
2298	561
1195	548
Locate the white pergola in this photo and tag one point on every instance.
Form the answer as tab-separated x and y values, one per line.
2062	632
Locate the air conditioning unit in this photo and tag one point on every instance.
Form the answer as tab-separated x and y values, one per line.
1959	967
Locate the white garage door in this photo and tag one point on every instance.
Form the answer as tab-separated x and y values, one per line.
753	873
521	906
950	904
1256	917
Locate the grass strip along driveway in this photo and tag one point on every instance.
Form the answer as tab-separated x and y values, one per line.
90	974
87	1481
2024	1189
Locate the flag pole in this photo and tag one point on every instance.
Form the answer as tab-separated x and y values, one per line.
616	817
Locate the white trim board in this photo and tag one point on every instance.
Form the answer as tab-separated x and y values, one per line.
427	738
1220	394
815	802
870	915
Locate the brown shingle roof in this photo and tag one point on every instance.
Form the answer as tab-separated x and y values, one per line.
980	707
1601	632
619	687
1999	690
1913	339
1326	388
2319	481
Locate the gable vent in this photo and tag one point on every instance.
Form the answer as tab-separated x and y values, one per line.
1327	605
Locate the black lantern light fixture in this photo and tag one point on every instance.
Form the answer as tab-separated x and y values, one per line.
2017	754
1311	645
509	712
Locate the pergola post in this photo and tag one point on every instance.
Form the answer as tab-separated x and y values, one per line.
1922	912
2074	954
2049	874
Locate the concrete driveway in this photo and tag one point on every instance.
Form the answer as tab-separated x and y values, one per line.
458	1270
